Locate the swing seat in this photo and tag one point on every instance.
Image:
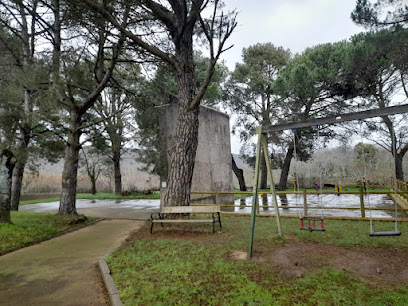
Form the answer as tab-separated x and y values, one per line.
386	233
312	228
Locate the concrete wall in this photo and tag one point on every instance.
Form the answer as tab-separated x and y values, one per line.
212	171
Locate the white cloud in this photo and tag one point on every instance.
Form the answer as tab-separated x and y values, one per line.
293	24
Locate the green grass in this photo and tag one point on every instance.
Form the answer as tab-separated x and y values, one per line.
98	196
186	265
103	196
29	227
40	201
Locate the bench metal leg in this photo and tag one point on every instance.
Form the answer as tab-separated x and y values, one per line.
161	218
151	228
219	219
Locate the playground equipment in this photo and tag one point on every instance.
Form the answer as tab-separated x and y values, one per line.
311	227
364	183
262	145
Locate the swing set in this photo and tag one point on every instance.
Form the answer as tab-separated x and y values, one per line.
262	132
311	220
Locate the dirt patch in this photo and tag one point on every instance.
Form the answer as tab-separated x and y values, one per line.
238	255
296	260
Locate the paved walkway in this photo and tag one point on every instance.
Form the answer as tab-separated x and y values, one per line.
115	209
62	271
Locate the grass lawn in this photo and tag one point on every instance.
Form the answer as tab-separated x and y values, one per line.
187	265
29	227
98	196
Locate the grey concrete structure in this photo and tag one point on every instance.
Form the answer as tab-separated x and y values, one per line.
212	170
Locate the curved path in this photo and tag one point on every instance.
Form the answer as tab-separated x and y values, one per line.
63	270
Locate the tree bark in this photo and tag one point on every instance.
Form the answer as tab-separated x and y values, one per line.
6	171
239	173
398	167
264	173
183	155
182	159
22	156
116	169
93	185
70	172
16	184
285	168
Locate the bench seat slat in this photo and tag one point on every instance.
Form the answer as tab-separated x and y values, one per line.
179	210
182	221
191	209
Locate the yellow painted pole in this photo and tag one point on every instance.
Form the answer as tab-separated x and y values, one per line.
362	204
305	202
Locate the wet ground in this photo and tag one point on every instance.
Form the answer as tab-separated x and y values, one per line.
326	200
115	209
62	271
142	209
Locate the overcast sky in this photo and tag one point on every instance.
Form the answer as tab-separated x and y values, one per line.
292	24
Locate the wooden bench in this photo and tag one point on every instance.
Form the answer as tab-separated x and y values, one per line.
183	210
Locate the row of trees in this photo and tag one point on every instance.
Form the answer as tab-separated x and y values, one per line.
367	71
72	70
76	72
345	166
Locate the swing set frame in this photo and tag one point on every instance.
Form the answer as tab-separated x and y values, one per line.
262	132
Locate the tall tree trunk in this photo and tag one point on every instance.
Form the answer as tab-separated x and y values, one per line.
22	157
116	169
16	184
264	173
239	173
285	168
183	155
6	171
70	172
182	159
399	158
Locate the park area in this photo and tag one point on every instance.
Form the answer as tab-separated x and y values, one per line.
127	127
186	264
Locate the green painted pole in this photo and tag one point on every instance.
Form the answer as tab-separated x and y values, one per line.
255	193
273	191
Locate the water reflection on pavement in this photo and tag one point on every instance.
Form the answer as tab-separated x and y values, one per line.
325	200
142	209
117	209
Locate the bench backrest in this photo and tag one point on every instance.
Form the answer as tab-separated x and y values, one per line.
191	209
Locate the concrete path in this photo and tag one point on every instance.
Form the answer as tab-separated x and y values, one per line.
62	271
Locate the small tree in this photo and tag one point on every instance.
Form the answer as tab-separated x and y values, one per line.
95	164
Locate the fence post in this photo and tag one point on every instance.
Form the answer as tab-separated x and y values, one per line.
304	202
362	203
